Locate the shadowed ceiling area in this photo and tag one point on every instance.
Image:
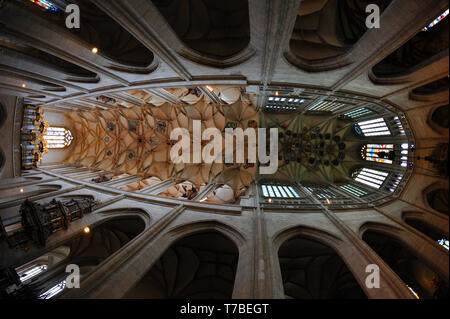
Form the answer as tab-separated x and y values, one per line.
101	31
329	28
195	267
408	266
311	270
218	29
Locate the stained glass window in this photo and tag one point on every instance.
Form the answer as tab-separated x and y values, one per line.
437	20
444	243
275	103
396	126
370	152
45	4
58	137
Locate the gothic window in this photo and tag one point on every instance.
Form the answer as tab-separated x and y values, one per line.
370	177
376	127
326	106
355	191
47	5
30	273
397	126
404	154
289	104
279	191
358	113
321	192
371	152
58	137
53	291
444	243
436	21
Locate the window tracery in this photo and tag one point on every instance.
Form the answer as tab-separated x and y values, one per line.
58	137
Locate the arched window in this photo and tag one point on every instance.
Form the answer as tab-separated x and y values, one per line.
58	137
279	191
376	127
370	177
443	242
45	4
370	152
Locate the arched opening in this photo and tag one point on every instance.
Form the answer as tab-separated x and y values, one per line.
440	116
328	28
438	200
432	88
27	191
86	250
427	229
197	266
423	46
216	28
72	71
101	31
414	272
312	270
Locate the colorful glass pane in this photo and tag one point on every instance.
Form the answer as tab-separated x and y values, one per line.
443	243
47	5
437	20
370	152
58	137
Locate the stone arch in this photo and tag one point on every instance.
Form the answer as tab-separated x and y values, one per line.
438	119
311	253
397	251
224	30
106	237
435	196
436	91
325	32
208	250
2	159
119	50
419	221
420	51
